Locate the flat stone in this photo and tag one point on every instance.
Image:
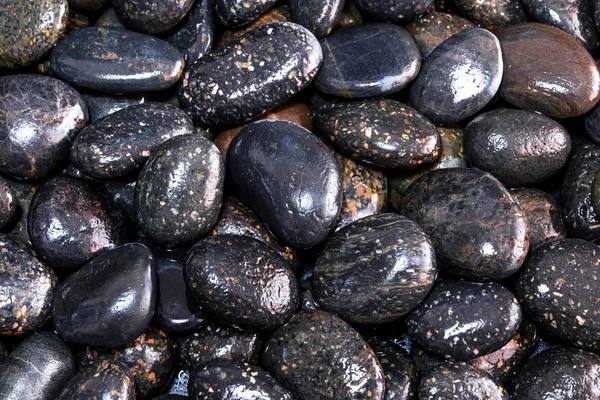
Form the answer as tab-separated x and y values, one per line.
492	15
104	380
317	16
9	205
455	380
397	11
401	380
236	13
194	36
151	16
432	29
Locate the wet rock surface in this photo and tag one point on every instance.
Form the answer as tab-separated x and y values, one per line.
451	380
316	15
152	16
434	28
106	380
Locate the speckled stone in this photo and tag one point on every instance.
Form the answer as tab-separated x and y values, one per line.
90	5
382	132
558	373
317	16
194	36
29	30
100	105
151	16
459	77
40	118
9	205
121	143
478	230
535	77
544	216
431	30
149	358
352	70
230	380
397	11
492	15
295	355
279	13
179	191
520	148
37	369
401	381
24	192
219	342
356	275
236	13
451	381
116	61
105	380
251	75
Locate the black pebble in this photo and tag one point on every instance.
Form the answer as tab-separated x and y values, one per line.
151	16
397	11
318	16
236	13
452	381
101	104
401	381
195	35
9	205
105	380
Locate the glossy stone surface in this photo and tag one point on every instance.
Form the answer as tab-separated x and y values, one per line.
151	16
459	77
520	148
295	355
121	143
298	193
24	192
534	74
397	11
100	104
461	320
352	70
432	29
39	118
179	190
194	36
225	89
228	380
116	61
478	230
29	30
278	13
317	16
236	13
9	205
492	15
37	369
104	380
381	132
449	381
401	381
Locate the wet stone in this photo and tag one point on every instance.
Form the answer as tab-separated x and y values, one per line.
151	16
434	28
194	36
459	77
251	75
397	11
401	381
279	13
352	69
492	15
41	117
317	16
236	13
534	75
100	105
105	380
478	230
462	320
122	193
9	205
24	193
460	381
295	355
350	15
116	61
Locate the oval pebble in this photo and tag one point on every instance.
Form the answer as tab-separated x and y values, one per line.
105	380
9	205
450	381
317	16
397	11
432	29
151	16
236	13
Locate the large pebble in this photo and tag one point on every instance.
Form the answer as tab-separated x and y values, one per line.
401	381
236	13
105	380
318	16
151	16
9	205
434	28
452	381
194	36
397	11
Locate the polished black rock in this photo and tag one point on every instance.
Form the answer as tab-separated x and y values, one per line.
492	14
40	117
318	356
401	381
26	289
9	205
357	274
251	75
317	16
120	143
462	320
397	11
558	373
116	61
451	381
382	132
231	380
368	60
179	191
151	16
459	77
105	380
298	191
520	148
242	281
100	104
37	369
236	13
194	36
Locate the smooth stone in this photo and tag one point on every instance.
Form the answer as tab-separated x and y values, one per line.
450	381
544	216
534	74
116	61
432	29
251	75
179	191
37	369
459	77
194	36
298	193
592	124
105	380
9	205
352	70
109	19
317	16
401	379
219	342
242	281
296	357
279	13
356	274
29	30
24	192
122	194
237	13
462	320
350	15
89	5
151	16
478	230
520	148
41	117
120	143
380	132
71	221
396	11
100	105
492	15
229	380
149	358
